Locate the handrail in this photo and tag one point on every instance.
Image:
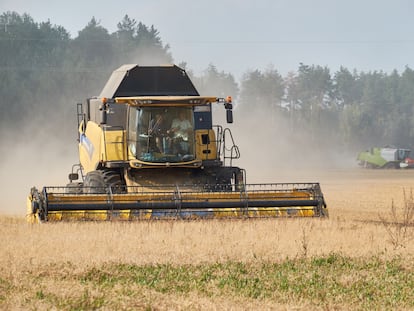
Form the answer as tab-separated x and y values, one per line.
233	150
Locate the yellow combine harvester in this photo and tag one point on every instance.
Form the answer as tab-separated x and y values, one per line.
148	149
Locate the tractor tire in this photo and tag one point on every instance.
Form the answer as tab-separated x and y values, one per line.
74	188
113	179
104	181
94	183
391	165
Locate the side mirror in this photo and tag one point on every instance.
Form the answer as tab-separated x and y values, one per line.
73	176
229	115
103	109
229	109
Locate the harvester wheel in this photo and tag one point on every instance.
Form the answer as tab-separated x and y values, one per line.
74	187
114	180
94	183
392	165
100	181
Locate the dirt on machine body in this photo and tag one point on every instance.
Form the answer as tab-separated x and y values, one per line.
148	149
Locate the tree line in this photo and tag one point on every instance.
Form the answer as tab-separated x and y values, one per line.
346	108
43	72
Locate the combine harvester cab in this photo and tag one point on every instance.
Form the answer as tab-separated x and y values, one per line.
148	149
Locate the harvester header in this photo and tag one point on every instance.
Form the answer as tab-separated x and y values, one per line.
148	149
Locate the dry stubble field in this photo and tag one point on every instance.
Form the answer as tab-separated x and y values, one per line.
345	262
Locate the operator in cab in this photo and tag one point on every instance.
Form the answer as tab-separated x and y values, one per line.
181	129
158	129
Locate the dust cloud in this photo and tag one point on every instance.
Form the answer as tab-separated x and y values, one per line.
40	148
272	151
35	157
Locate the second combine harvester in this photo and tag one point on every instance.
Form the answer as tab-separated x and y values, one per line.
148	149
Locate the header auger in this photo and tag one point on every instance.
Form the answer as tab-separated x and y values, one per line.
148	149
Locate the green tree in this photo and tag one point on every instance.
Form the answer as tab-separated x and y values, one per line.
31	55
406	108
346	87
216	83
93	47
310	95
138	43
262	92
43	70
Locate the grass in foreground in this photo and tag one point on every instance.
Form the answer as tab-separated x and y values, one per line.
332	281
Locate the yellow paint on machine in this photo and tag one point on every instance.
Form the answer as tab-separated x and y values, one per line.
111	143
114	142
301	211
206	146
31	217
98	215
103	215
167	197
89	143
184	196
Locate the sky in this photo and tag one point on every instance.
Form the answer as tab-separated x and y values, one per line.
238	36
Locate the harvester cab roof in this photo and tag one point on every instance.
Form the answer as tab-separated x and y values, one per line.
133	80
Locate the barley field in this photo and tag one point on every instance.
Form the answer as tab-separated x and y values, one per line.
360	258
